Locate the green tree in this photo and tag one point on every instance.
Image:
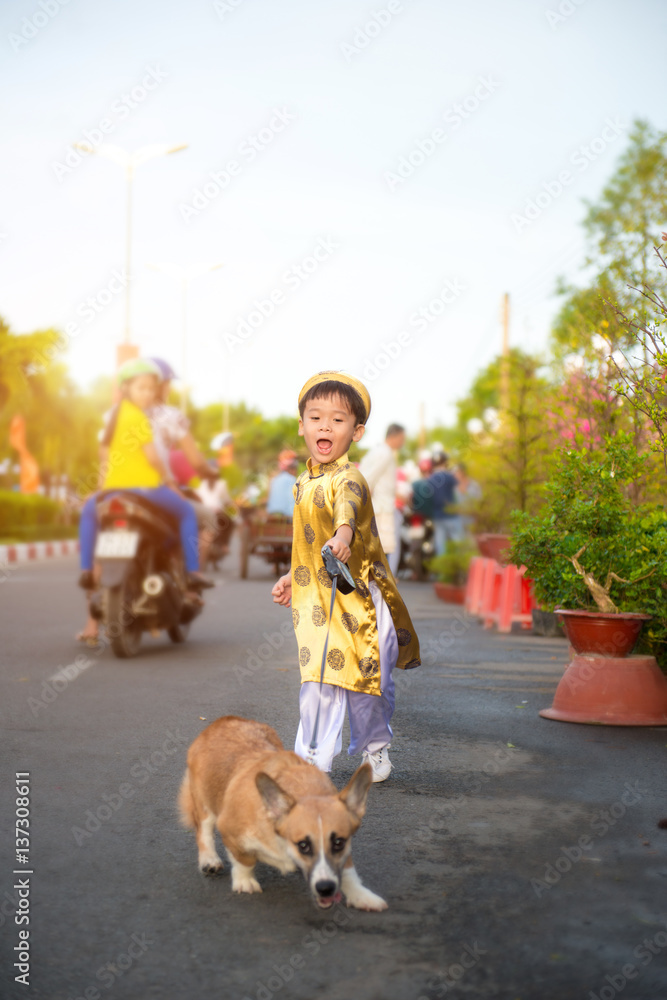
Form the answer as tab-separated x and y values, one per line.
621	228
510	457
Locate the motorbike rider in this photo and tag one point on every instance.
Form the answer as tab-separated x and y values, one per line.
281	497
182	455
135	464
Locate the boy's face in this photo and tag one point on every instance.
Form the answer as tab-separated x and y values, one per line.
329	428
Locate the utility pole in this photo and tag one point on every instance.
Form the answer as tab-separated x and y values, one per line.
505	360
422	428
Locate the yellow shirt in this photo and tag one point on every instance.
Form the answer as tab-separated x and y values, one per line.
326	497
128	465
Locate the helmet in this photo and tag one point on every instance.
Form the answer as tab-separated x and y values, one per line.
167	373
135	367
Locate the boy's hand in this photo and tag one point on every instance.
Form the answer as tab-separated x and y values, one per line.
282	591
340	543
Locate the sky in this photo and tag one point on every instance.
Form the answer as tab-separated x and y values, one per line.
372	177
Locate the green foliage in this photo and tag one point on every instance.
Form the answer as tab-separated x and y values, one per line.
257	440
621	229
589	512
510	458
452	566
627	220
20	511
642	378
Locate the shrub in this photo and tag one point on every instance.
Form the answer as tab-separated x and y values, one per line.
452	566
592	546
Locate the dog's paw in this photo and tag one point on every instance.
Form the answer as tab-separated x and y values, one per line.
357	895
210	864
364	899
245	883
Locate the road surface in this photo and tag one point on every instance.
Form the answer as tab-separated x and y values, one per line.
521	858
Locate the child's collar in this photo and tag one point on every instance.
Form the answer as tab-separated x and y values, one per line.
317	469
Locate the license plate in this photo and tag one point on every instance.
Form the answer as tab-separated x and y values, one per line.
117	544
416	531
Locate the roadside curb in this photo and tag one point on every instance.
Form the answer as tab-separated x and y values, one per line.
30	551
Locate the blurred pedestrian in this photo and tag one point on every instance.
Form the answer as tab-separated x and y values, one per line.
447	522
379	469
281	490
468	492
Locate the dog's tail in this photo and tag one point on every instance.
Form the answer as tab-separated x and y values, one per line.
186	803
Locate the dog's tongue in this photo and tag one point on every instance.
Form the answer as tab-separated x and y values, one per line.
338	897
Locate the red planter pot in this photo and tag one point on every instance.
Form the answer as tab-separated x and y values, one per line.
604	685
494	546
450	593
594	633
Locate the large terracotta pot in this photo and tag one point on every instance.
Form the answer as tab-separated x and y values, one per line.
594	633
494	546
450	593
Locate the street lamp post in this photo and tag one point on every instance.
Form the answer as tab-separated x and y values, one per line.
129	162
185	276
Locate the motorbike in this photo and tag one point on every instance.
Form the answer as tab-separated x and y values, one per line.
220	545
417	544
142	575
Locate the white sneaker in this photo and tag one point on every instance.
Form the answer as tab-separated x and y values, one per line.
380	763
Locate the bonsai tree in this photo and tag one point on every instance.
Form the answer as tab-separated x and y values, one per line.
592	546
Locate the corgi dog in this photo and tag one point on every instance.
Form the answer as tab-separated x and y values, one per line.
269	805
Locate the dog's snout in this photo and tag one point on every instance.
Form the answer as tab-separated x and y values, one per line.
325	888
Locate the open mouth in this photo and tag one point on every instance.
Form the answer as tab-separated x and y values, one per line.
324	446
326	902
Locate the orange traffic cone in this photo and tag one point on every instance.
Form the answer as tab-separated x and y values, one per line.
611	691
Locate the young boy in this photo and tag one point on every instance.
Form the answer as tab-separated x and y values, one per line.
371	631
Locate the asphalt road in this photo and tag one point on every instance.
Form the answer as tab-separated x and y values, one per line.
521	858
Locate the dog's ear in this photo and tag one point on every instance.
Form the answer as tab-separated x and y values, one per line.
274	798
355	793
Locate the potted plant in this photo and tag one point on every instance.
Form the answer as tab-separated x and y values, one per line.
451	570
598	557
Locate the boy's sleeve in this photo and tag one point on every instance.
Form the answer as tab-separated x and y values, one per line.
350	496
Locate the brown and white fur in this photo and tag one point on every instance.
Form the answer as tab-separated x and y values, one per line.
269	805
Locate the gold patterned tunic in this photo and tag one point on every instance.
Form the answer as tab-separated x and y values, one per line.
326	497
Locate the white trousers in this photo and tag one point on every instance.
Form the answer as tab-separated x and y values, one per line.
369	714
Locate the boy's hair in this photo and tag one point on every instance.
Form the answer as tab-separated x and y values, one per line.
325	390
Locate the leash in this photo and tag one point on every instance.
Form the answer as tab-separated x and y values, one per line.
336	569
